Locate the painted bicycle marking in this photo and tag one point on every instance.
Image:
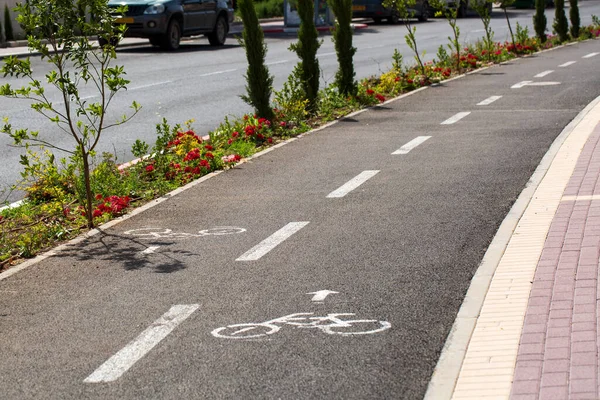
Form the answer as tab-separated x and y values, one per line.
331	324
157	233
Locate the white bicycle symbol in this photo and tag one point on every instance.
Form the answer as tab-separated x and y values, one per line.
157	233
330	324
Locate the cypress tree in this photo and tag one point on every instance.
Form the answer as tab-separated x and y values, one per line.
259	82
1	35
561	25
342	37
8	29
574	17
539	20
306	49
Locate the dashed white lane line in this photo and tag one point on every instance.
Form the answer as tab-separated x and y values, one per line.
567	64
520	84
543	74
489	100
411	145
118	364
352	184
150	250
590	55
219	72
543	83
150	85
272	241
455	118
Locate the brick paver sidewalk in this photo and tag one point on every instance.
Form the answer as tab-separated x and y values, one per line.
558	350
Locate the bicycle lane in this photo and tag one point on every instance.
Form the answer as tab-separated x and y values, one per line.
380	247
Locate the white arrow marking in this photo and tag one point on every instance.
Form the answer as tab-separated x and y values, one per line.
321	294
543	83
543	74
520	84
118	364
150	250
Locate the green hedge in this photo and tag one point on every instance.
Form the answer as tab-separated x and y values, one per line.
267	8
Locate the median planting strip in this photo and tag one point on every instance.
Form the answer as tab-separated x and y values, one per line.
180	156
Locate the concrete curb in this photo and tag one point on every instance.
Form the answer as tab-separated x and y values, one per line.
445	375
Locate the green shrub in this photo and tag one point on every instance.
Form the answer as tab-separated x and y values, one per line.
574	17
342	37
539	20
561	25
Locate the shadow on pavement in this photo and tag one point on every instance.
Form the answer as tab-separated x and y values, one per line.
188	47
126	251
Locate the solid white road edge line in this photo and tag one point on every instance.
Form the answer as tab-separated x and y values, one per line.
411	145
567	64
445	375
543	74
118	364
455	118
272	241
590	55
489	100
352	184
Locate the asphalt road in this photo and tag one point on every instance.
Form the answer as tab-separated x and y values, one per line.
399	250
202	83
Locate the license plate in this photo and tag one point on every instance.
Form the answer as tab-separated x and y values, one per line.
124	20
358	8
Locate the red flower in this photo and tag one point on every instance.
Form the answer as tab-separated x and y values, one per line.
187	169
380	97
397	79
250	130
230	141
270	140
209	147
235	134
209	155
192	155
196	171
98	196
260	136
409	81
149	168
283	124
370	91
97	213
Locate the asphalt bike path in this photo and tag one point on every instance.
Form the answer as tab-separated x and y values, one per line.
211	293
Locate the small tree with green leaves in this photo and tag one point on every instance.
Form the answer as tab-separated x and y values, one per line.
306	48
561	24
76	64
574	17
405	10
259	82
504	4
8	29
342	38
482	7
451	15
539	20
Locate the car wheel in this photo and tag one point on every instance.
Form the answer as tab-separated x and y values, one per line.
103	42
155	40
424	12
218	36
170	41
394	18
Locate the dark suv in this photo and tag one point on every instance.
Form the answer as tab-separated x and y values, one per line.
166	22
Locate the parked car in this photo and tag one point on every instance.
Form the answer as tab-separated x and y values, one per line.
467	5
375	10
164	23
531	3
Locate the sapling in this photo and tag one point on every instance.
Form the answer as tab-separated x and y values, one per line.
503	5
482	7
404	9
451	15
76	64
